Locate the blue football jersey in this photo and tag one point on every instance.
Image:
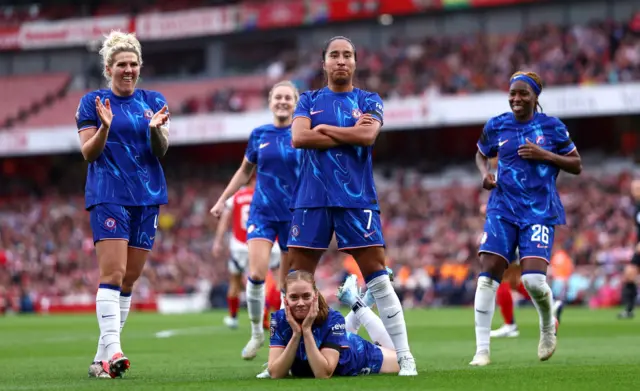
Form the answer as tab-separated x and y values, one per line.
331	334
340	176
526	191
126	172
277	169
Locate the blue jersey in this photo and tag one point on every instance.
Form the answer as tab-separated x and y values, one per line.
341	176
355	352
278	167
126	172
526	191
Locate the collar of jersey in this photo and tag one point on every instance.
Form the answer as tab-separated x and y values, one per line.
122	98
328	90
515	120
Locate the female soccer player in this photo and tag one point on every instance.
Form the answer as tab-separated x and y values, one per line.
271	150
524	206
308	339
123	132
629	292
337	127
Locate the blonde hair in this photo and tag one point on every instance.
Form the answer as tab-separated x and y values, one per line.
285	83
118	42
323	307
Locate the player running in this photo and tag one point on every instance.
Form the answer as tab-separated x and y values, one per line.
629	287
236	214
524	206
123	132
308	339
337	127
271	150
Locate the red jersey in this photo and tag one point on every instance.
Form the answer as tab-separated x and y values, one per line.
240	204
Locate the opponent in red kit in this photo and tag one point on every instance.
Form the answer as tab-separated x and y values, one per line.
236	214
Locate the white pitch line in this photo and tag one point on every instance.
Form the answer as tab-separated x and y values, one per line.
188	331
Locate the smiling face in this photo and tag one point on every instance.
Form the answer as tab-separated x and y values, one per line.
282	102
300	297
522	100
340	62
124	72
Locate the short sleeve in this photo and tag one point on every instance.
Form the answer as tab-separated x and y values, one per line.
562	139
86	116
251	152
303	108
277	339
487	144
336	336
374	107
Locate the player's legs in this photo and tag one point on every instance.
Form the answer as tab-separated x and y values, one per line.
233	300
629	287
510	281
309	237
359	232
110	226
259	255
348	295
497	247
285	264
535	243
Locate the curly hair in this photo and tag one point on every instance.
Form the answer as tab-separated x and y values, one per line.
118	42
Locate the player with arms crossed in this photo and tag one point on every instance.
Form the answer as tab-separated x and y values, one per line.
123	132
237	213
524	206
629	287
308	339
271	150
337	127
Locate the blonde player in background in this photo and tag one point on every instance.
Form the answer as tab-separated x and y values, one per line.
236	215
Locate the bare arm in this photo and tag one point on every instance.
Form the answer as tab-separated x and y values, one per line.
482	162
281	360
363	133
159	140
92	142
571	163
303	137
223	226
322	362
240	178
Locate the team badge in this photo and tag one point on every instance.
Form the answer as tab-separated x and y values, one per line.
148	114
540	140
295	231
110	223
356	113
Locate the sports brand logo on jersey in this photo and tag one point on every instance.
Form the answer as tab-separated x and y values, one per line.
148	114
295	231
110	223
356	113
251	228
483	239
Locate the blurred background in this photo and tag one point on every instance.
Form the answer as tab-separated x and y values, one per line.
442	68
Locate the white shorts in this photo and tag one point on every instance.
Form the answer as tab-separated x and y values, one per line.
240	257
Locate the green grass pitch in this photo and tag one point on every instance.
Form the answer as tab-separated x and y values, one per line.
196	352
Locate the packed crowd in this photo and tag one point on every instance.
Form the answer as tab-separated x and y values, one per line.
432	235
598	53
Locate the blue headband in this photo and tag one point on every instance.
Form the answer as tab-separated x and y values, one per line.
532	83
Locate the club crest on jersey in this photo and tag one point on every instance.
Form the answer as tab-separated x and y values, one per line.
110	223
148	114
356	113
295	231
540	140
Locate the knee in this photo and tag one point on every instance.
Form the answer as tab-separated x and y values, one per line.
630	273
493	265
534	282
130	277
113	276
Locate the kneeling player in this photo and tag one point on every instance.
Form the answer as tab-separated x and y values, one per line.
308	339
237	212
